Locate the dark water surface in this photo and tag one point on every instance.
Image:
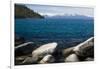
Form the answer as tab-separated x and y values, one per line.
66	32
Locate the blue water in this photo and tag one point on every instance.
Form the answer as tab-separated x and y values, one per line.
65	30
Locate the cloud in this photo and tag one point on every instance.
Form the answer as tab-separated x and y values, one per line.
61	10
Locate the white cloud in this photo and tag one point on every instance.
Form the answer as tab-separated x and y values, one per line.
61	10
51	14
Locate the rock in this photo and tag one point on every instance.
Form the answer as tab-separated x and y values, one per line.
47	59
43	50
86	43
50	53
68	51
89	59
25	48
19	60
28	60
23	45
85	49
72	58
81	51
19	40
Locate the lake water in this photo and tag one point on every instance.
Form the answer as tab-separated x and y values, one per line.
64	31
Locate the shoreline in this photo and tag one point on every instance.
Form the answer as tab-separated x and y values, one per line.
58	54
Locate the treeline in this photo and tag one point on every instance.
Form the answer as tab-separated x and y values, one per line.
21	11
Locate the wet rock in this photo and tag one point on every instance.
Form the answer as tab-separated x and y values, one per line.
24	49
19	40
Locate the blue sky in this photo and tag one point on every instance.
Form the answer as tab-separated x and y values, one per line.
61	10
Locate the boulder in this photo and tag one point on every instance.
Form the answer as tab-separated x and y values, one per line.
28	60
47	59
66	52
19	59
81	51
24	49
43	50
85	49
72	58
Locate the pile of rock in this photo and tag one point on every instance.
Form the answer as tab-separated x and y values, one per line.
42	54
82	52
45	53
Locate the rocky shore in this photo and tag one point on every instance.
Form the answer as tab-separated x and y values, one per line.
28	53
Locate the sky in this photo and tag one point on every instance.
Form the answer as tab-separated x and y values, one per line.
61	10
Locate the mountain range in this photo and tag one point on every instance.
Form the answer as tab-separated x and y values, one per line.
69	16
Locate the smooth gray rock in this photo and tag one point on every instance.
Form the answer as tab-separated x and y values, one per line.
81	51
72	58
43	50
47	59
85	49
68	51
28	60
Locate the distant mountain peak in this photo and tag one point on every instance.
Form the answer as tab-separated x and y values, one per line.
69	16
